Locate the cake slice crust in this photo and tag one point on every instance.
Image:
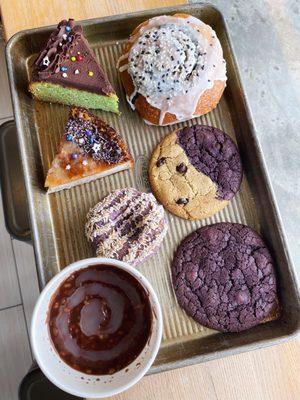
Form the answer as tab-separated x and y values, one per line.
89	149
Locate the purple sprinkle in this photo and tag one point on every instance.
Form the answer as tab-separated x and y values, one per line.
74	155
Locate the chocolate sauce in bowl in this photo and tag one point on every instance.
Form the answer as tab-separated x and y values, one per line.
100	319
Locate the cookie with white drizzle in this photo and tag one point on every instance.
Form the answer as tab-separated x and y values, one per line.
195	171
126	225
173	69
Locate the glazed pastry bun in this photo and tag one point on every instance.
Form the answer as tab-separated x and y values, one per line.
173	69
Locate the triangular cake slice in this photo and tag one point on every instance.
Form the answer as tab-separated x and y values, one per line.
66	71
89	149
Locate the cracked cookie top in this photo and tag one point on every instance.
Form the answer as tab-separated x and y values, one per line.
213	153
195	171
224	278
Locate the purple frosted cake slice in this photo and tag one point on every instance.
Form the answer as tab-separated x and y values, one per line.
66	71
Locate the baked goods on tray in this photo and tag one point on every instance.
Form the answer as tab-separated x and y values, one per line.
126	225
195	171
173	69
224	277
66	71
89	149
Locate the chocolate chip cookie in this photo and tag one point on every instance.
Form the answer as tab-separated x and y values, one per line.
195	171
224	278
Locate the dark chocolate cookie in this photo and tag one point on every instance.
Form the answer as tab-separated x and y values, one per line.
195	171
224	278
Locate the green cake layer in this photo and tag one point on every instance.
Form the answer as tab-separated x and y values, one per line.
58	94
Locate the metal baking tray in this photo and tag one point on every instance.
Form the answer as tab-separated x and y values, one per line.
57	220
12	184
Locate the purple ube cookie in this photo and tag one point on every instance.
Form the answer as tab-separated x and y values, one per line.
224	278
213	153
127	225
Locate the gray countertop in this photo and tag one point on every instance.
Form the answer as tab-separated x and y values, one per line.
265	36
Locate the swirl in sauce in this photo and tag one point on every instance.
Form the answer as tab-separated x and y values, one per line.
100	319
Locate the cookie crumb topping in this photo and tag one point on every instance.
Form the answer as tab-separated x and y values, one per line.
93	142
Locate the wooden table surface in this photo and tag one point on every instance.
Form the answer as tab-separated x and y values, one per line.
272	373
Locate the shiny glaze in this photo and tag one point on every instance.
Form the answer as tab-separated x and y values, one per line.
100	319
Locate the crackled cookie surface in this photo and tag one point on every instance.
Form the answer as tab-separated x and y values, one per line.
195	171
127	225
223	276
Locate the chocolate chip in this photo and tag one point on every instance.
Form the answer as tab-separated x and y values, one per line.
181	168
160	161
182	200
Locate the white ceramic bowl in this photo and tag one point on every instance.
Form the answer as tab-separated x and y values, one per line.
78	383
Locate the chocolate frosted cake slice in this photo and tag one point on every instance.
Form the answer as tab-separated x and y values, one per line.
67	72
89	149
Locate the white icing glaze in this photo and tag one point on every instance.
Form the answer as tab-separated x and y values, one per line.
172	63
123	57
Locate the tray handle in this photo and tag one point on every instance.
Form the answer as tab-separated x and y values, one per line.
12	184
